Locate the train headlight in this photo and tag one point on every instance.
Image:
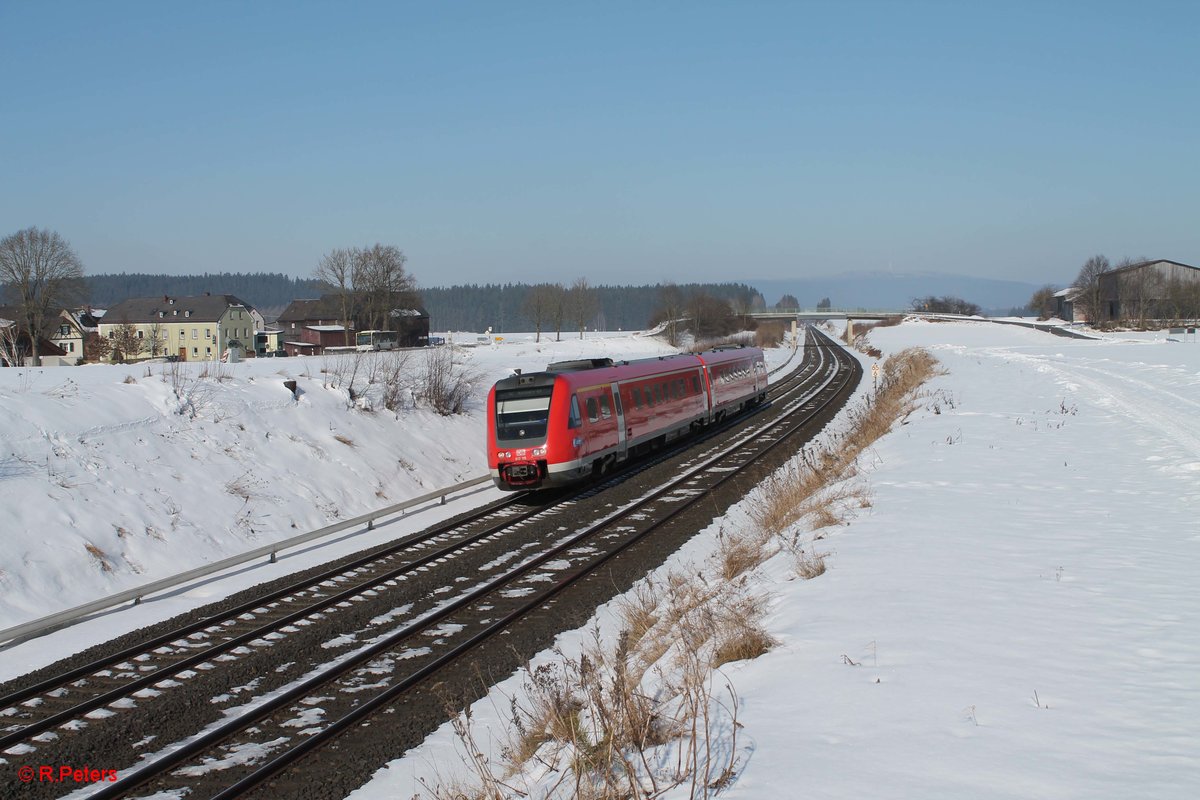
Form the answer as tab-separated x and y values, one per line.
539	451
504	454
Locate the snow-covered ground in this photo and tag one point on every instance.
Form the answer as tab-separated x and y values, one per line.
1016	615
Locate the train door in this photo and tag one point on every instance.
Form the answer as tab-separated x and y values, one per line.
622	431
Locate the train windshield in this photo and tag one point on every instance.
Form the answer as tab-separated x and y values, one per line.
522	414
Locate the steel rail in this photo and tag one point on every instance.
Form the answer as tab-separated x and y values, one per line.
257	603
216	735
137	594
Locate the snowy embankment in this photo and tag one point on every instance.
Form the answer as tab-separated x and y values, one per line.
114	476
1015	614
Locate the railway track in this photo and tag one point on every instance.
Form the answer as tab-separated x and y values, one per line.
452	589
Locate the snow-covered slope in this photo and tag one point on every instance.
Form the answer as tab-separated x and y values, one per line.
113	476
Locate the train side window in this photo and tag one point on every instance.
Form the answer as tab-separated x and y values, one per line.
617	404
657	394
649	396
696	383
666	391
637	397
680	389
574	421
593	413
605	411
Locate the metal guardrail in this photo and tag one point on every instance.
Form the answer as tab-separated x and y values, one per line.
46	624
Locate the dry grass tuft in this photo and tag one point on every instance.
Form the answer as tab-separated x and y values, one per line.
809	564
738	632
129	379
100	557
638	611
738	554
769	334
816	489
344	439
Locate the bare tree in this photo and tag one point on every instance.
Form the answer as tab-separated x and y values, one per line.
382	284
337	269
711	316
10	351
1042	302
125	342
539	306
156	340
1088	282
670	311
95	347
558	309
43	275
743	304
947	304
581	302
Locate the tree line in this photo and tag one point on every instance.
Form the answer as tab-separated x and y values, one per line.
266	291
557	307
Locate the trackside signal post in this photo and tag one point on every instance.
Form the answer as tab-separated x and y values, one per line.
875	377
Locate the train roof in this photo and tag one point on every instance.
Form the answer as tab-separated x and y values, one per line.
585	371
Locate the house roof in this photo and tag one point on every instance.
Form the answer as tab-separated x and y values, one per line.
1140	264
202	308
329	306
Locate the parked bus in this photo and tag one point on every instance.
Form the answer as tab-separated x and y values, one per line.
368	341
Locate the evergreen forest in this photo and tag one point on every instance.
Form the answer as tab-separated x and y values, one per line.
473	307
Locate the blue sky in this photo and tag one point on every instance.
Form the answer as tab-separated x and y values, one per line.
624	142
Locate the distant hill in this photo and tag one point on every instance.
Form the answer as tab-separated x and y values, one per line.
887	290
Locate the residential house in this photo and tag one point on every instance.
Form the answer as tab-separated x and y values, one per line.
68	334
268	342
199	328
16	345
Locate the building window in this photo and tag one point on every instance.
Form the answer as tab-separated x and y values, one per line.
207	333
195	351
195	333
141	334
208	351
64	331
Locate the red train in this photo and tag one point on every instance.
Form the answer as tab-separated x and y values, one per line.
579	418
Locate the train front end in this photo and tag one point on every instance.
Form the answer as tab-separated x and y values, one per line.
519	430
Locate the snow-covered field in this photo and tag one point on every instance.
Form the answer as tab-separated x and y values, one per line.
1016	615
